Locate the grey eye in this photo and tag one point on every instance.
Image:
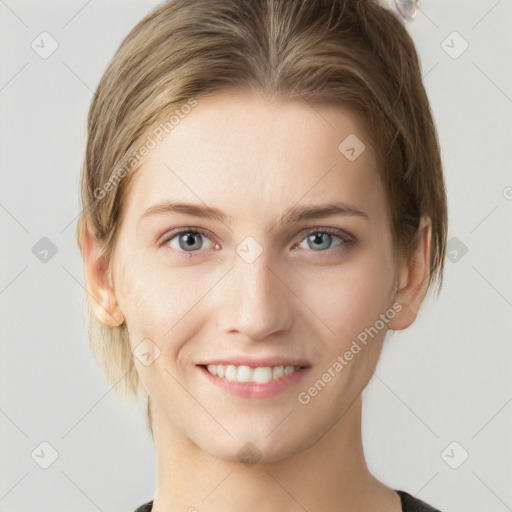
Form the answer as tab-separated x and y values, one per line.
321	241
188	240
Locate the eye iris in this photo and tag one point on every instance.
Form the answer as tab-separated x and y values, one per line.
317	237
189	240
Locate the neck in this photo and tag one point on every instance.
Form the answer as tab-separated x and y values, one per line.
330	475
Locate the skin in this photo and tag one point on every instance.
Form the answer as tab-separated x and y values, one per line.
254	160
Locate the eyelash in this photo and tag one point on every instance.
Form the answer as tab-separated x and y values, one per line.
346	240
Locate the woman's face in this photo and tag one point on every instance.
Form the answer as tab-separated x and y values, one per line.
285	259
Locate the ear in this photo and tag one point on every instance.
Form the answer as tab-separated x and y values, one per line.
98	280
413	277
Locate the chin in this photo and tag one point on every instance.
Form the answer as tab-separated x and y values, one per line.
250	448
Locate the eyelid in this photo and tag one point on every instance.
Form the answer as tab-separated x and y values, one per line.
330	231
346	238
171	234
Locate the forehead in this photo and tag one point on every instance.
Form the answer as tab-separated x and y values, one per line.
240	152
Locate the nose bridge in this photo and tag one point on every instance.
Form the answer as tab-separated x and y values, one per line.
254	301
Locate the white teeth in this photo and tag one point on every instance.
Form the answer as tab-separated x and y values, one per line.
230	373
278	372
261	374
244	374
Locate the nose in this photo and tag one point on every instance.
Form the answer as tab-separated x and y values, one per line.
254	299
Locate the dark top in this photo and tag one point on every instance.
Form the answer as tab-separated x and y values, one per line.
409	504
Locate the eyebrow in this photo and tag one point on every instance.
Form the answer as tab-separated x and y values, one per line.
292	216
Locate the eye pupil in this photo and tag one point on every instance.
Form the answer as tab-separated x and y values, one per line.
317	239
189	240
192	241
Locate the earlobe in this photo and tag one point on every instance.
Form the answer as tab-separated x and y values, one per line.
98	281
413	280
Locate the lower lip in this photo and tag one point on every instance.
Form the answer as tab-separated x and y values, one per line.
255	389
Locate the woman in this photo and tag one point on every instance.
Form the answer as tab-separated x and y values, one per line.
263	199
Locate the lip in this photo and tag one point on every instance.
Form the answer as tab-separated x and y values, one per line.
254	389
258	362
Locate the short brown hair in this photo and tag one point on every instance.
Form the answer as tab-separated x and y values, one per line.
349	53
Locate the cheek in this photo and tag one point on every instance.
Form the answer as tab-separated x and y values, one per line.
157	302
156	306
353	298
144	299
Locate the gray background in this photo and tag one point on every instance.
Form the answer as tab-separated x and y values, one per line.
445	380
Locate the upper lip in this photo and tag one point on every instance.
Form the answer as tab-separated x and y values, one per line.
257	362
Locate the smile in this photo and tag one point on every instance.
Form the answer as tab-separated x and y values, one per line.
260	375
253	382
